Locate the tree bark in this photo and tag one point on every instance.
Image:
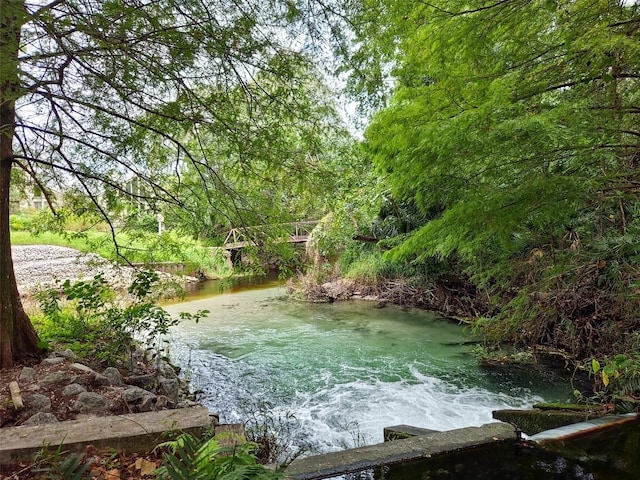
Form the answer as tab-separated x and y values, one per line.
17	336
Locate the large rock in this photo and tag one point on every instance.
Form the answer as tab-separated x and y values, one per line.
54	378
135	395
113	374
91	402
140	399
80	368
171	388
73	389
148	404
36	402
166	370
41	418
27	374
146	381
82	379
100	380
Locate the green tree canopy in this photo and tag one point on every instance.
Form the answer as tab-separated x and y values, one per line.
517	121
90	89
278	161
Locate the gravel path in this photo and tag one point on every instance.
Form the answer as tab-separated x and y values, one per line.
38	266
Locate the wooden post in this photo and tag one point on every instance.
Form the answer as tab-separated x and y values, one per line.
16	396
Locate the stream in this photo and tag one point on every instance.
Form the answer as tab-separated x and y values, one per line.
332	376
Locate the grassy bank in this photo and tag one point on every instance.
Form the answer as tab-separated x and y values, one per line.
134	247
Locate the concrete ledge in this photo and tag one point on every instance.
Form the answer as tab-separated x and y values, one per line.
136	432
535	421
389	453
400	432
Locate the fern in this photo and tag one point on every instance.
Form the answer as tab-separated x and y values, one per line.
189	458
72	467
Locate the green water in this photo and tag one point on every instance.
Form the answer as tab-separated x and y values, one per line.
345	370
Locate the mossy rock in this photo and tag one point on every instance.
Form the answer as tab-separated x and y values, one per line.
573	407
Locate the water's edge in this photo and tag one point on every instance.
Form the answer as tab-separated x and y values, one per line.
338	373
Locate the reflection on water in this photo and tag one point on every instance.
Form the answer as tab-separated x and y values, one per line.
235	284
344	370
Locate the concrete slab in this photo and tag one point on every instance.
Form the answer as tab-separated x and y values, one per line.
136	432
535	421
389	453
400	432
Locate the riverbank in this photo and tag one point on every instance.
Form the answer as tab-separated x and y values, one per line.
66	387
57	387
111	419
452	299
63	386
38	267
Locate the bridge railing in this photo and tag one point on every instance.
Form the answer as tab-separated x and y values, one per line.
298	232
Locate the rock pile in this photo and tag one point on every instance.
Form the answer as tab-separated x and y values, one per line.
39	266
61	388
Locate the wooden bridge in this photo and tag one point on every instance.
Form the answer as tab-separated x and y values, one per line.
296	232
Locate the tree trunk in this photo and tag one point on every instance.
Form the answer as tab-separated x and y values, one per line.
17	336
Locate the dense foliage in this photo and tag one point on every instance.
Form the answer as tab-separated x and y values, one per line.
190	458
504	137
202	112
512	126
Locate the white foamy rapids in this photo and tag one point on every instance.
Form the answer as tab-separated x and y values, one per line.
355	413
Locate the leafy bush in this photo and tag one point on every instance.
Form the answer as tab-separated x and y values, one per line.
185	458
20	222
618	380
91	320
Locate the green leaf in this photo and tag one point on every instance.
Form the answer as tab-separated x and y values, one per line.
595	366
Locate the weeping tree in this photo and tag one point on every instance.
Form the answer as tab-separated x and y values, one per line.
518	122
90	89
284	175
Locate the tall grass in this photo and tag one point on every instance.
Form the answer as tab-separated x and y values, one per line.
368	264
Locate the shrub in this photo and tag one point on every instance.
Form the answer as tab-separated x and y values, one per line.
20	222
618	380
86	317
